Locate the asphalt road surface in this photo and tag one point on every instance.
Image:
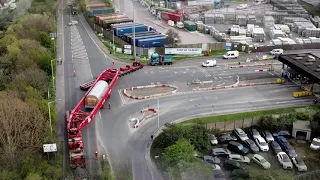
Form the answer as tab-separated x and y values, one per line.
111	133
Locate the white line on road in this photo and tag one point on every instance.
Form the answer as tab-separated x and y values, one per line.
121	96
195	99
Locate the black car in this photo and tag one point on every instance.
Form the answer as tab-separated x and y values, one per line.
267	136
283	133
232	164
237	147
251	145
275	147
290	151
254	132
226	137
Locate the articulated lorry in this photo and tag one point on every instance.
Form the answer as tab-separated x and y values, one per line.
156	59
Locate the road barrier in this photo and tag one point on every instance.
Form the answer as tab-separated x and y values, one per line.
254	65
261	70
150	96
139	121
302	94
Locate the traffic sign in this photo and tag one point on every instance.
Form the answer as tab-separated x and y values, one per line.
50	147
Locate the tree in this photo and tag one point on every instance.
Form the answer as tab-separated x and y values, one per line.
316	117
181	150
22	128
173	37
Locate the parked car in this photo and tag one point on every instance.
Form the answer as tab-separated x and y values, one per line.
262	144
284	160
275	147
251	145
267	135
284	133
216	167
315	145
209	63
237	147
254	133
232	164
212	160
220	152
290	151
298	162
213	140
239	158
261	161
226	137
240	134
282	141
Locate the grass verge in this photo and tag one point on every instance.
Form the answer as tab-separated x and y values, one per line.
106	171
247	115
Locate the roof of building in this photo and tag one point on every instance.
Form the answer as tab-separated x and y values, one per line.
308	64
302	125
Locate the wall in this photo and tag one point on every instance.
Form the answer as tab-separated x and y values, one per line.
230	125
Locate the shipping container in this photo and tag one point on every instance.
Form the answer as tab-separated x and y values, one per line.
99	16
111	17
128	37
107	24
121	31
95	5
146	37
190	26
152	42
129	24
171	16
93	11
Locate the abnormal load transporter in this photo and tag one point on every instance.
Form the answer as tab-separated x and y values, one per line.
98	91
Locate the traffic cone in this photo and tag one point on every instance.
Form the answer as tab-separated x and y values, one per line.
96	154
74	73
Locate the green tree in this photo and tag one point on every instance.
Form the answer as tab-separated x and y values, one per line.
181	150
316	117
34	176
303	116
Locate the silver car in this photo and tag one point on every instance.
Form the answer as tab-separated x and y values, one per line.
261	161
298	162
284	160
220	152
239	158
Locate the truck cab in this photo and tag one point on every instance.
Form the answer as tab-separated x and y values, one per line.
156	59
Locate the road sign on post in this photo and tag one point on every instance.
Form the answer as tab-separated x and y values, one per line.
50	147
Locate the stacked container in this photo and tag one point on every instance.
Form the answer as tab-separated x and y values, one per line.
209	18
299	41
258	35
311	32
234	31
190	26
251	19
284	28
200	26
241	20
276	42
95	10
242	32
268	21
219	19
314	40
294	19
276	33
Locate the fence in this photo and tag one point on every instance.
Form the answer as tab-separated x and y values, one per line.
231	125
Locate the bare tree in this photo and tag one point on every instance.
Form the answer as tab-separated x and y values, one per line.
173	37
22	129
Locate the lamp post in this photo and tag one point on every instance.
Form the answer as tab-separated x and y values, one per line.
134	33
113	41
158	115
50	116
52	72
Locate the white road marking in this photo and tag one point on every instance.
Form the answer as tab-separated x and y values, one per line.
121	96
195	99
204	72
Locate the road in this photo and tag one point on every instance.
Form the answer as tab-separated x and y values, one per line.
110	133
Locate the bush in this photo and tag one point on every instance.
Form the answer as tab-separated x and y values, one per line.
306	116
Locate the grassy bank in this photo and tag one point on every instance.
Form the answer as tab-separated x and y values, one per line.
247	115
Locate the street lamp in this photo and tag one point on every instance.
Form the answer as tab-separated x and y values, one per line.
134	33
158	115
50	116
52	72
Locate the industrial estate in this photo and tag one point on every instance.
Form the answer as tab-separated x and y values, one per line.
156	90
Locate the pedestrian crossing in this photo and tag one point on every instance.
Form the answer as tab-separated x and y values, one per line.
78	50
204	71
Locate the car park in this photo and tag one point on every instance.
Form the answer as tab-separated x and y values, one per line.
209	63
240	134
254	133
276	148
315	145
213	140
239	158
230	164
212	160
261	161
251	145
298	162
284	160
262	144
226	137
220	152
267	136
237	147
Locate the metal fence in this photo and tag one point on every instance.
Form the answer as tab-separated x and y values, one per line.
231	125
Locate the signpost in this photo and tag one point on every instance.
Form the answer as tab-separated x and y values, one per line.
49	148
185	51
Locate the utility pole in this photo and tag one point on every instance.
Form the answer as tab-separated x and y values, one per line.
134	33
158	115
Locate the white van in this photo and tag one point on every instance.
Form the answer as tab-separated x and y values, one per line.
209	63
231	54
276	52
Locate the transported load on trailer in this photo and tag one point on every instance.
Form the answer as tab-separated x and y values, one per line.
95	94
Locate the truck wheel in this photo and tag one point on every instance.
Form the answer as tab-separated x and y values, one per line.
165	63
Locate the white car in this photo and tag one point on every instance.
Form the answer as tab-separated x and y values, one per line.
261	143
298	162
213	140
240	134
261	161
209	63
276	52
239	158
284	160
315	145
